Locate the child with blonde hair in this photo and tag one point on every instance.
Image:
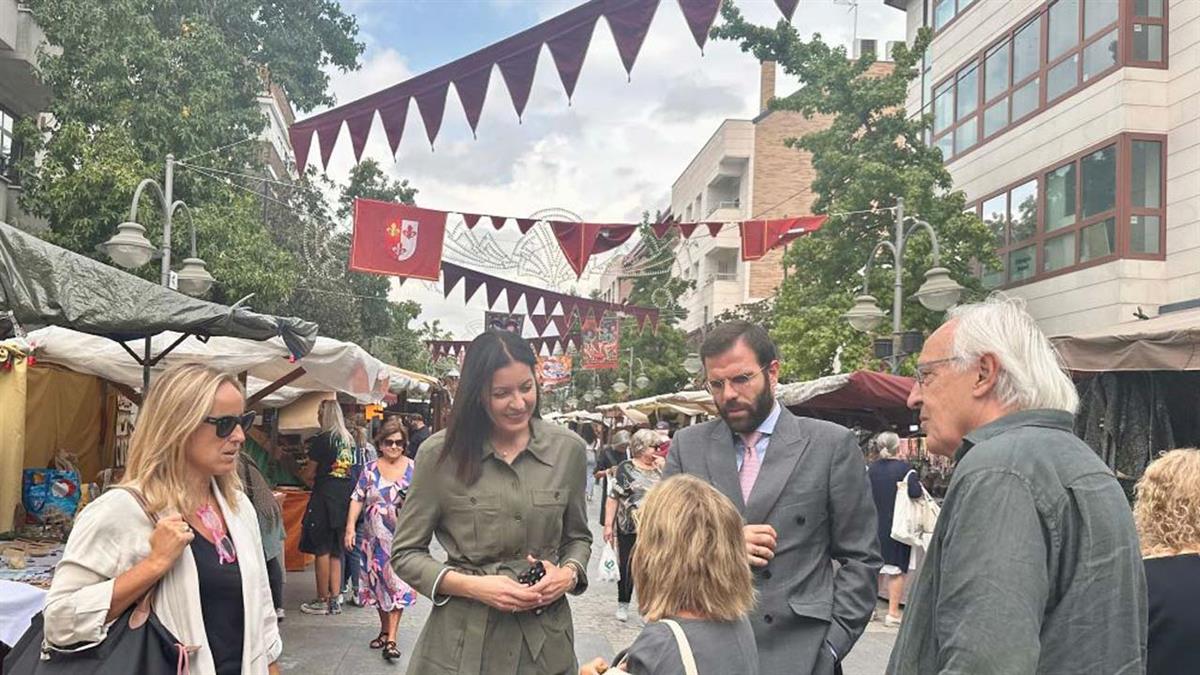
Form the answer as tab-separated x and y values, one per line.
694	587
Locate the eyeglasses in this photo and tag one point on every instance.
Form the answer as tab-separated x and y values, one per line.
226	424
924	370
388	442
738	382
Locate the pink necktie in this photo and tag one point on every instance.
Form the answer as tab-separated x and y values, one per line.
750	464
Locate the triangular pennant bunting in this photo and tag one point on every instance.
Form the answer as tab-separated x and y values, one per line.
518	71
327	134
472	90
514	296
561	323
539	321
432	104
686	229
470	219
700	15
360	127
394	117
301	140
714	228
498	222
451	275
629	26
568	50
661	229
493	292
788	7
526	224
471	286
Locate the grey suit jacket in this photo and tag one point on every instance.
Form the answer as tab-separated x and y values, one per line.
813	489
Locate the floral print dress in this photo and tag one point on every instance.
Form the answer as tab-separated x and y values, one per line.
381	499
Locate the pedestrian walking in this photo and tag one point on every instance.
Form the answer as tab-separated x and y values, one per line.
611	456
885	473
588	433
1034	565
270	525
324	527
1167	514
503	491
365	452
690	569
418	432
801	484
632	480
375	503
205	553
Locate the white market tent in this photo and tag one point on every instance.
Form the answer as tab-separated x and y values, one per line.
272	375
690	403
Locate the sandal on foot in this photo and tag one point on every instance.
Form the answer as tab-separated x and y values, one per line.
390	652
379	642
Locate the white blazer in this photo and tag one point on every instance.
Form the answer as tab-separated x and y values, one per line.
112	535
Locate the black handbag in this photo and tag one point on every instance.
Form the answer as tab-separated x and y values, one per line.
137	642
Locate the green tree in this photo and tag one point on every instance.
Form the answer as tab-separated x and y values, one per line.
135	80
872	153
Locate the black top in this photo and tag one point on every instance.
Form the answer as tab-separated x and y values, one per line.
221	606
1173	588
884	474
415	440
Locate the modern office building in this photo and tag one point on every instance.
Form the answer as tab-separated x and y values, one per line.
1073	127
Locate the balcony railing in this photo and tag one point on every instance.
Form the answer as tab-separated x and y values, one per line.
725	204
720	276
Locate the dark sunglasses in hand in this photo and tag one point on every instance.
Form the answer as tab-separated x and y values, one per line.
226	424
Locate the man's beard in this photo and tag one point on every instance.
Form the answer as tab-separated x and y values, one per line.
760	409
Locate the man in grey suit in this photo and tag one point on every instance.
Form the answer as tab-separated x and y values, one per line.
801	485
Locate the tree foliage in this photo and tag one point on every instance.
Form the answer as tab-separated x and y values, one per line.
872	153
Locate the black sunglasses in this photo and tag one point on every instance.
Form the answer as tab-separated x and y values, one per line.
226	424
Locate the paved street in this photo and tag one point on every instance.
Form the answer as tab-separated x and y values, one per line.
319	644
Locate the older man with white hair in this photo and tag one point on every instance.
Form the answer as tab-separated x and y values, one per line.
1034	564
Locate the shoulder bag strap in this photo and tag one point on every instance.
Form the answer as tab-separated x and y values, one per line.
144	605
685	647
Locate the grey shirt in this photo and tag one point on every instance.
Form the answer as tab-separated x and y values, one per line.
719	647
1034	565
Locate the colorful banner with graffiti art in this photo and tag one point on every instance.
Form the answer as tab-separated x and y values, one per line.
602	343
554	371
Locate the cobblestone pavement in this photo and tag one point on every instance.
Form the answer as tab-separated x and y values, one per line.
323	644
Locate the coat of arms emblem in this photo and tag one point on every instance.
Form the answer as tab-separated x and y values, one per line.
402	239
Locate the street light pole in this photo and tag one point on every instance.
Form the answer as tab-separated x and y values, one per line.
938	293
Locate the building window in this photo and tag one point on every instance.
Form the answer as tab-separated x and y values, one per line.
1104	204
8	145
1062	47
944	11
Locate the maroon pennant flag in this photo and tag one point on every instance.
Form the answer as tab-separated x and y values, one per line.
514	295
301	140
579	241
525	224
397	239
432	104
629	26
700	15
788	7
568	50
493	292
451	275
532	298
518	71
472	286
561	322
393	117
760	236
661	229
687	229
498	222
360	127
327	134
539	321
472	90
470	219
714	228
553	300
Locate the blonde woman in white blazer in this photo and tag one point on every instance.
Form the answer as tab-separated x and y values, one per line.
205	553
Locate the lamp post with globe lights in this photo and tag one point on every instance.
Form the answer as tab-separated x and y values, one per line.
129	248
938	293
641	382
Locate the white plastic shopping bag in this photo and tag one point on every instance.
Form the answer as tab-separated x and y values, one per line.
610	569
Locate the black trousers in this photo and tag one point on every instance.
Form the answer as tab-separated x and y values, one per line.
275	579
625	543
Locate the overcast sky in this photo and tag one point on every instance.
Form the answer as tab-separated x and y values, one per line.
608	156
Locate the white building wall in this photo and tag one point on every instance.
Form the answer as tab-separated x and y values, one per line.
1142	100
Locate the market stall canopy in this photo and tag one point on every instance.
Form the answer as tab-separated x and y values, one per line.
406	380
45	285
690	403
330	366
1166	342
575	416
860	390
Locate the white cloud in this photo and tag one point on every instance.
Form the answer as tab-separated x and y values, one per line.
611	154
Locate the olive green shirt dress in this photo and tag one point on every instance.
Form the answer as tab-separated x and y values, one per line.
535	506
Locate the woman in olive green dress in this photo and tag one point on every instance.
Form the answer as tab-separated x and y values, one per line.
502	490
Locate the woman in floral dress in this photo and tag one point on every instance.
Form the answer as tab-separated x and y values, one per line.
379	495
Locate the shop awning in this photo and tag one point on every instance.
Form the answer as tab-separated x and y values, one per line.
45	285
408	381
1166	342
690	403
860	390
330	366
